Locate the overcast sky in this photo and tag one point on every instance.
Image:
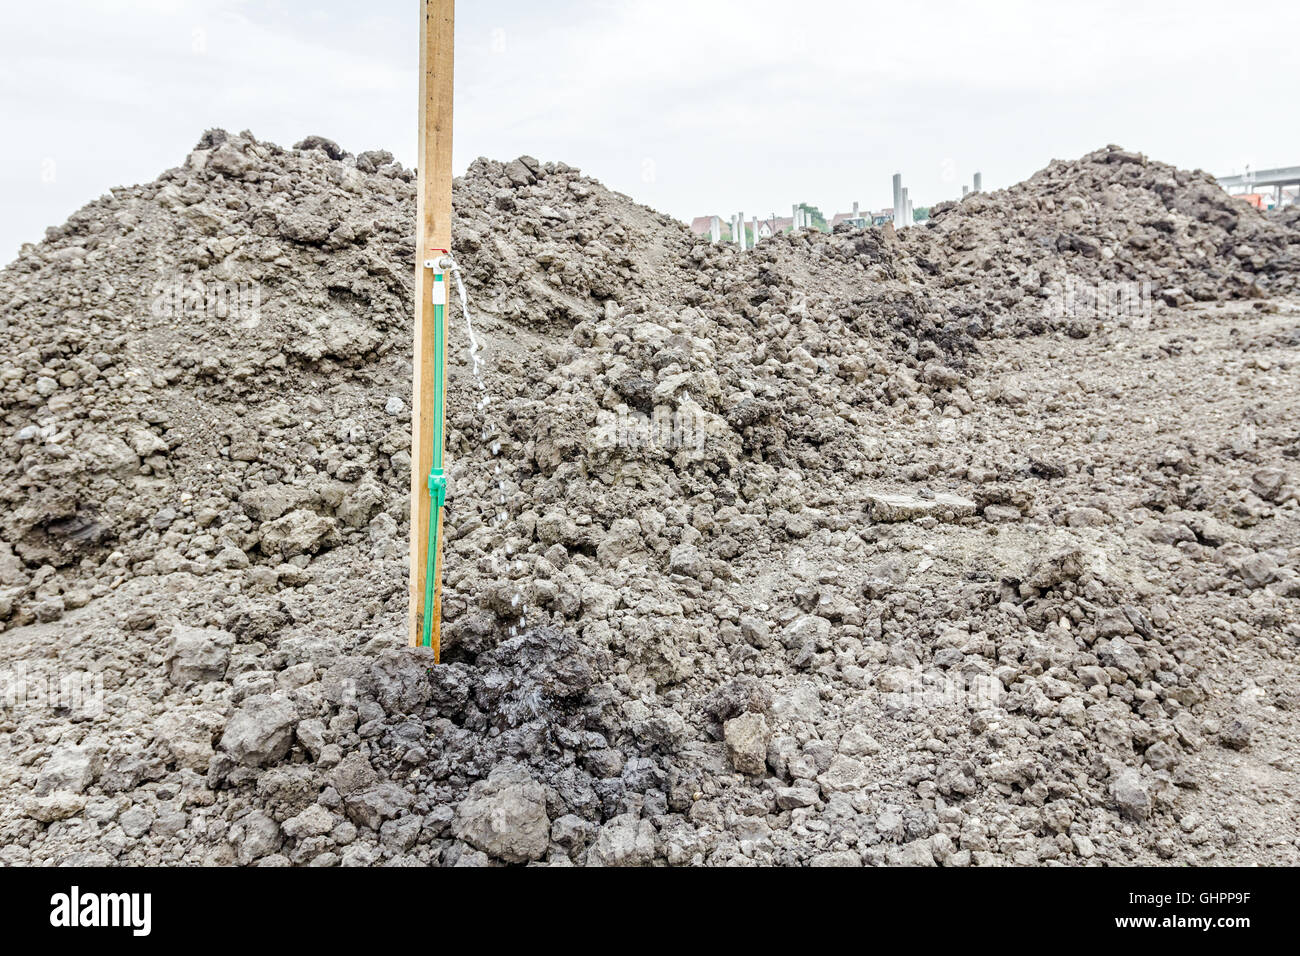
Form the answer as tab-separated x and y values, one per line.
690	106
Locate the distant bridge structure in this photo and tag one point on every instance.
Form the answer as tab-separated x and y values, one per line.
1254	180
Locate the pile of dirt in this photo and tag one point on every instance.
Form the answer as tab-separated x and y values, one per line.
1113	217
801	577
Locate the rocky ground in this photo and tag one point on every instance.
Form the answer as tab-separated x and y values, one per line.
973	544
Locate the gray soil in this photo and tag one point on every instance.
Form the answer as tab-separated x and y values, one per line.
934	558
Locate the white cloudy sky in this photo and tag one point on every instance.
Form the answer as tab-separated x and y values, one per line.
692	106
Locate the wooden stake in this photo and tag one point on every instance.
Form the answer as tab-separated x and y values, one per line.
433	229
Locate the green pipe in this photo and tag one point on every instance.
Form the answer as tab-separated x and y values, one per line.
437	478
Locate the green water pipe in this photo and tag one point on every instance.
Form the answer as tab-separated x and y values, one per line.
437	477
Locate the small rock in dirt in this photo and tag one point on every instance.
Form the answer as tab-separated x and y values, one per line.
198	654
505	816
1131	795
1235	735
746	737
623	841
261	730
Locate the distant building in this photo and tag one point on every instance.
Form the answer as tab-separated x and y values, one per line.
774	226
767	228
854	218
857	217
778	225
715	227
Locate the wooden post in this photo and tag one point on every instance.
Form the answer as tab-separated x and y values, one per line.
433	231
